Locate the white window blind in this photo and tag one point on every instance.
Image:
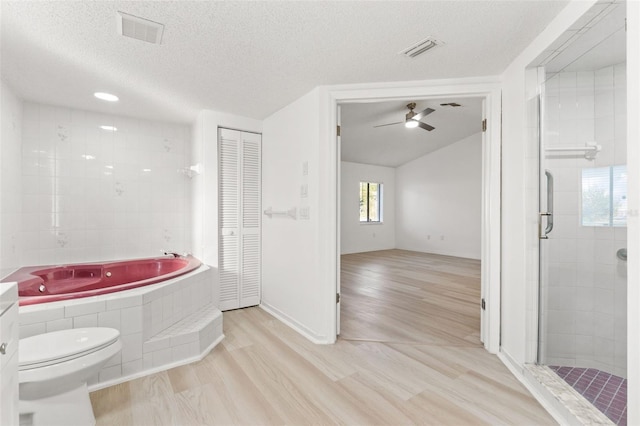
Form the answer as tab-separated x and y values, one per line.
604	196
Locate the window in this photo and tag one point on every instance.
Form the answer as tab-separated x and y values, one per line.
604	196
370	202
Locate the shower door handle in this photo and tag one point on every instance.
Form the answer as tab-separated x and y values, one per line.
549	213
542	233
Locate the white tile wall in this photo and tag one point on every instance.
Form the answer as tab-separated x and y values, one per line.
90	194
11	242
584	292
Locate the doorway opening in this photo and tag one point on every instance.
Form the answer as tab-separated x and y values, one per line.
488	93
411	248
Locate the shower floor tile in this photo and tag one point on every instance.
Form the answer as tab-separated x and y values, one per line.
608	393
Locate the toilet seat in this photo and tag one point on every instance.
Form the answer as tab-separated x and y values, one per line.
52	348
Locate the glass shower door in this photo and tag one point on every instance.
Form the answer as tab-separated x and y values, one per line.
582	231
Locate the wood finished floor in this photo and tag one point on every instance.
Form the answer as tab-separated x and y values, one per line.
409	354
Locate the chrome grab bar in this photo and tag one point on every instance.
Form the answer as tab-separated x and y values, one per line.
543	235
549	227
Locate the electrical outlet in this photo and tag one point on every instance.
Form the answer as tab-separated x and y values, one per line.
305	168
303	190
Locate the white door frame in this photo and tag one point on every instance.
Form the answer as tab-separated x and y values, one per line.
486	88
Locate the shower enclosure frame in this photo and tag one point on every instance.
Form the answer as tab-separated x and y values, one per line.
633	224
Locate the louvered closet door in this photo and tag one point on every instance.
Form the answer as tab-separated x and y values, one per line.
251	184
239	158
228	214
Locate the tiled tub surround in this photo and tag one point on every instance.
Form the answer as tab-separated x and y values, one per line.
162	325
584	294
90	194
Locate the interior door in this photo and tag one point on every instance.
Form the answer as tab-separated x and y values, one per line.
239	158
228	214
250	226
484	267
338	278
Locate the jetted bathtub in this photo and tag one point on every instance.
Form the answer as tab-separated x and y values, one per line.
39	284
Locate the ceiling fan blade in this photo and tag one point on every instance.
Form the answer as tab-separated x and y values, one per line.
419	116
389	124
425	126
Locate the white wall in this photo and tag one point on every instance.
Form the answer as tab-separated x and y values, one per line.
439	201
290	268
356	237
204	189
90	194
10	179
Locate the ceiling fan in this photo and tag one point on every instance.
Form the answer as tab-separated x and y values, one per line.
412	119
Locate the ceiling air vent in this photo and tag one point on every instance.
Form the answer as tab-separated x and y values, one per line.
139	28
420	47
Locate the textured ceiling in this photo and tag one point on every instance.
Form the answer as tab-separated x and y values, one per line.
395	145
249	58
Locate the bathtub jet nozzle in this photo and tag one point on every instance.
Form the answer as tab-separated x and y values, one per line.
174	254
167	253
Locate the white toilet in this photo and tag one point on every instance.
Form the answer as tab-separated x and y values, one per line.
53	372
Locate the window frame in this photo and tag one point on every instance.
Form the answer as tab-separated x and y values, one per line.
379	203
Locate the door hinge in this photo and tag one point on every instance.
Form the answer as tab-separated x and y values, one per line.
337	297
484	125
484	305
337	130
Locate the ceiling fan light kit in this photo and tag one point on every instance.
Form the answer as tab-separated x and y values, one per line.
412	119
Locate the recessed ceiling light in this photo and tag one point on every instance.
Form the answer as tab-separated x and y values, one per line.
106	96
109	128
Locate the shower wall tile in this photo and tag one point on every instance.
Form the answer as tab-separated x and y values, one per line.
562	273
561	321
90	194
584	273
583	300
585	287
584	347
585	252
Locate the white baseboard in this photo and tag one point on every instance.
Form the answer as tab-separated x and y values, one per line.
309	334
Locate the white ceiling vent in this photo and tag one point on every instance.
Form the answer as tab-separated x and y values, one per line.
139	28
420	47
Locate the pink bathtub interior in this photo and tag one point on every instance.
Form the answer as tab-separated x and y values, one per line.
39	284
